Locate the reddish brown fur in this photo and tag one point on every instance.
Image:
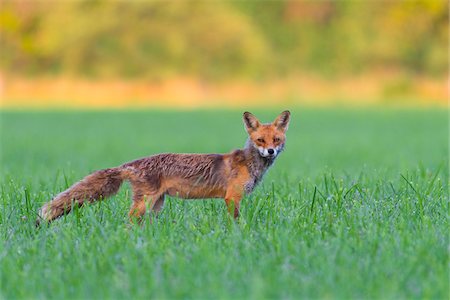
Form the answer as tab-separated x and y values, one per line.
192	176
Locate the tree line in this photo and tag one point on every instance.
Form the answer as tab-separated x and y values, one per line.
222	39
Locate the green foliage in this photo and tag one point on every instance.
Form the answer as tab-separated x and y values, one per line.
216	40
356	207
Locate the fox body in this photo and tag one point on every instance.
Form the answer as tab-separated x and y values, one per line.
190	176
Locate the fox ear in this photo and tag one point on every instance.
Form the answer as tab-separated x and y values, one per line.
251	122
282	121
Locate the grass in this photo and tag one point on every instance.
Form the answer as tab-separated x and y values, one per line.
356	207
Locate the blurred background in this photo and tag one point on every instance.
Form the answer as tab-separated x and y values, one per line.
195	54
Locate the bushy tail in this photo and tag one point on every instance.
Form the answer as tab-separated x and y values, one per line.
99	185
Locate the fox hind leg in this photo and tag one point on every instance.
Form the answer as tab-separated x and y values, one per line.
139	207
137	210
158	204
144	196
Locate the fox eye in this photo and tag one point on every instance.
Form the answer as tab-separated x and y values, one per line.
261	140
276	140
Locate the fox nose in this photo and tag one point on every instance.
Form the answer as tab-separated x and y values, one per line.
270	151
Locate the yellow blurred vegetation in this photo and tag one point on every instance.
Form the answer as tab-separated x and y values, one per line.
214	53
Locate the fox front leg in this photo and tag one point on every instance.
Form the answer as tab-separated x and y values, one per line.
233	199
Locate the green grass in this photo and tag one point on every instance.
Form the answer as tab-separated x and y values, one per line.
356	207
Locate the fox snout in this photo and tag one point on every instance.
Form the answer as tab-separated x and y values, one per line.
268	152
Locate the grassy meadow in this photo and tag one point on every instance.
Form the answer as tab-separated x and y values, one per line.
356	207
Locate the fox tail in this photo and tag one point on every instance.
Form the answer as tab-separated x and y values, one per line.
98	185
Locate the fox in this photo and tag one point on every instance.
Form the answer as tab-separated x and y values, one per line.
228	176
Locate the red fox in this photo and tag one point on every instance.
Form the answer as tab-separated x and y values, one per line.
189	176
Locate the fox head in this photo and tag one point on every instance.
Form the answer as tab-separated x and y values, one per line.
268	138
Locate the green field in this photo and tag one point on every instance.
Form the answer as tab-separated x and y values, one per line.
356	207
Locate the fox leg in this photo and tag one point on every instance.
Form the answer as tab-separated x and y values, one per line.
235	191
137	210
143	196
140	205
158	204
232	199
